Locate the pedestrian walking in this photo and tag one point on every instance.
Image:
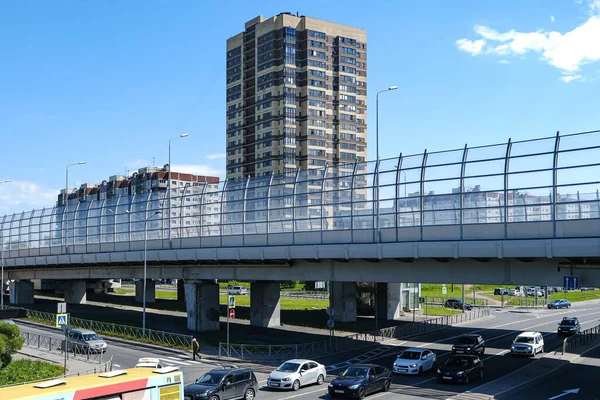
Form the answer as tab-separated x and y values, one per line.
196	348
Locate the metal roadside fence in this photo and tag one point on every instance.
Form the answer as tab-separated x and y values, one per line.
167	339
268	352
581	338
51	344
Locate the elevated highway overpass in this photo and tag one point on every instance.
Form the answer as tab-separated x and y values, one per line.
515	213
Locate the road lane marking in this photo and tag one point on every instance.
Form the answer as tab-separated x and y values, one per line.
176	361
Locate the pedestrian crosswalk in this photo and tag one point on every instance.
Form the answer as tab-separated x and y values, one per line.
175	361
360	359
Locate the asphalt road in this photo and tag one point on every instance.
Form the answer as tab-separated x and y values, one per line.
498	331
580	377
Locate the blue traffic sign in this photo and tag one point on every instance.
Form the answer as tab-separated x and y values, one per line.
231	301
62	319
571	282
421	299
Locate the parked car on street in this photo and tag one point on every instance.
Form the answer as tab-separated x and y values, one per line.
500	291
414	361
528	343
568	326
224	384
460	368
515	292
238	290
458	304
293	374
534	292
559	303
360	380
469	344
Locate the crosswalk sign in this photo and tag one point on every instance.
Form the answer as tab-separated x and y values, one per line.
231	301
62	319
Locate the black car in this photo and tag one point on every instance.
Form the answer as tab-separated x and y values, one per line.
568	326
461	368
458	304
360	380
500	291
469	344
223	384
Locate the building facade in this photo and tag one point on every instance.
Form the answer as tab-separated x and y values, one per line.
296	97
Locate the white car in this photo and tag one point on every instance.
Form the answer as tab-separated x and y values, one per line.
148	362
414	361
528	343
239	290
295	373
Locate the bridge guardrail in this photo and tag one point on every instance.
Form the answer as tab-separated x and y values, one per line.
584	337
169	339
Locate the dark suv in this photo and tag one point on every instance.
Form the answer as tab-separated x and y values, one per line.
458	304
469	344
568	326
223	384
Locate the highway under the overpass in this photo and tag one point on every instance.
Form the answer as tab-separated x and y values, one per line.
498	330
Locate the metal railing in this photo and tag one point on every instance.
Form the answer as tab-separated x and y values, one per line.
321	348
168	339
581	338
479	193
57	345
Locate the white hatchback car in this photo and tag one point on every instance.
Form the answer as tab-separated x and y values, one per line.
295	373
528	343
239	290
149	362
414	361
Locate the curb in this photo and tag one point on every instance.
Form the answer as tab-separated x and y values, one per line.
38	358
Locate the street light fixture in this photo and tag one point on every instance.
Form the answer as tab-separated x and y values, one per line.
66	200
2	261
377	150
145	264
169	183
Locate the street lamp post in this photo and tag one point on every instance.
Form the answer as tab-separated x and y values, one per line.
377	156
145	264
2	261
169	183
66	199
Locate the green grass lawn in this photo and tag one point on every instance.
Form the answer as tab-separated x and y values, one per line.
286	304
435	310
19	371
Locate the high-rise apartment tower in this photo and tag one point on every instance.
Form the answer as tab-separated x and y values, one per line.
296	97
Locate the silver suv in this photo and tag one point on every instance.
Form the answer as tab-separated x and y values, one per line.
85	340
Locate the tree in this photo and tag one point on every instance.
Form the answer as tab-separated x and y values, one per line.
288	284
10	342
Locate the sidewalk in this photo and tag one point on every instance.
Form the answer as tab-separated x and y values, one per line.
550	362
74	367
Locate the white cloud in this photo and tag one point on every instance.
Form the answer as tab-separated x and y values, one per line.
472	47
216	156
18	196
552	19
594	7
199	169
570	78
567	52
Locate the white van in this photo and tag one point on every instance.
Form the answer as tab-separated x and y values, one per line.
239	290
528	343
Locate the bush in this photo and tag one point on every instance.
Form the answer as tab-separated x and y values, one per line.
288	284
20	371
10	342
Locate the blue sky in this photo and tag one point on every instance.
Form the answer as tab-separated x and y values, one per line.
110	82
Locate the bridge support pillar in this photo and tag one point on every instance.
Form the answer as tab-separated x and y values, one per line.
343	300
202	305
150	291
265	307
389	301
75	292
180	290
21	292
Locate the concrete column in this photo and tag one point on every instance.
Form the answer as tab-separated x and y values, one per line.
180	290
389	301
21	292
150	291
202	305
343	301
75	292
265	307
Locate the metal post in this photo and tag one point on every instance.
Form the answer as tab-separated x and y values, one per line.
376	301
414	300
144	284
474	287
463	298
227	311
